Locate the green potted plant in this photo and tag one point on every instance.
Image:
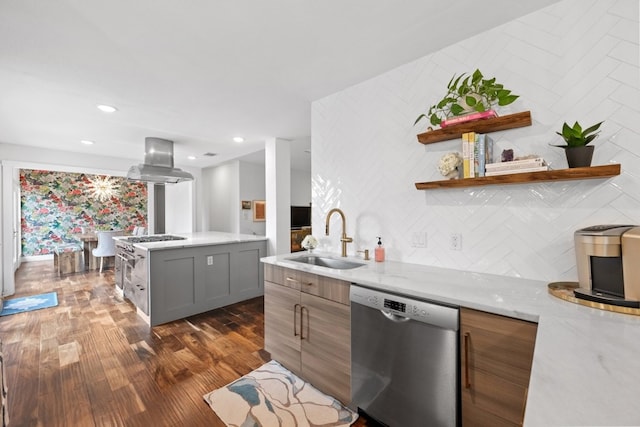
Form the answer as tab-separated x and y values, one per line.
466	95
577	150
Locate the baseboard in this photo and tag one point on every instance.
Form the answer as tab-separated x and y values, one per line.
33	258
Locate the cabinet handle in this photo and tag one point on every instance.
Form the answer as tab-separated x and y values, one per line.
298	282
302	309
295	321
467	382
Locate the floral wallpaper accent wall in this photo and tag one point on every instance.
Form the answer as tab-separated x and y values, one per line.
56	206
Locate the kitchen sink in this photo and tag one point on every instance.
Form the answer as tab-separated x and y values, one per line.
338	264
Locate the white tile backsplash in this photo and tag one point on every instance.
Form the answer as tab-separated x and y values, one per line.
624	9
566	66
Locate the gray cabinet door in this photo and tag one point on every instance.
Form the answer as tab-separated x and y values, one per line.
191	280
217	276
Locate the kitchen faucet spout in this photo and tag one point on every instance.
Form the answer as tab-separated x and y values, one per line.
343	239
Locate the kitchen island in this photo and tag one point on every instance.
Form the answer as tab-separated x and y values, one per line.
190	273
585	363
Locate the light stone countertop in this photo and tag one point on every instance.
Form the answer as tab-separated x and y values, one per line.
204	238
586	363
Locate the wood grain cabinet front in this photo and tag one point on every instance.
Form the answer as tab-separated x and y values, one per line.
496	357
308	328
282	325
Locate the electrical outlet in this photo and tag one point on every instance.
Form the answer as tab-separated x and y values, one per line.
419	239
210	260
456	242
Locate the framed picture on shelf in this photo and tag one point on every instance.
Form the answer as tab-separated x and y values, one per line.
246	204
259	210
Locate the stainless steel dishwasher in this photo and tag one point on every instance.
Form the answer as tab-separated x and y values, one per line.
404	359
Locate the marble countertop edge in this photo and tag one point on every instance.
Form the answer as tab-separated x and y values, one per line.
204	238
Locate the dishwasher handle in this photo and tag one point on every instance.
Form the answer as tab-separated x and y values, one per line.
394	317
403	306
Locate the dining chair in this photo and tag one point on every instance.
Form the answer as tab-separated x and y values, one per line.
106	245
139	231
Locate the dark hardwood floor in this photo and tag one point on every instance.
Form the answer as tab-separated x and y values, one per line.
91	361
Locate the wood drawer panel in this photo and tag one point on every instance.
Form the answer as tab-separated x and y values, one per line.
501	325
499	345
326	287
279	335
495	398
326	347
496	357
282	276
274	274
504	356
474	417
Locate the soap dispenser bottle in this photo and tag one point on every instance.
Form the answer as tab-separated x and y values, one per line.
379	252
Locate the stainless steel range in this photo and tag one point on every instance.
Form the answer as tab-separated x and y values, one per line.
151	238
131	270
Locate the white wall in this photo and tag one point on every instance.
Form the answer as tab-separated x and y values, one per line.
230	183
300	188
575	60
251	188
221	195
179	215
226	186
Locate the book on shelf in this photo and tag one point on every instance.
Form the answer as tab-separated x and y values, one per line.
516	164
477	149
515	171
471	142
476	155
465	155
483	153
488	151
468	118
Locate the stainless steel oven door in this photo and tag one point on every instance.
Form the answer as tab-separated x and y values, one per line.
118	273
139	282
127	263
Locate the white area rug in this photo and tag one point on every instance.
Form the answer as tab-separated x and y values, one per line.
272	396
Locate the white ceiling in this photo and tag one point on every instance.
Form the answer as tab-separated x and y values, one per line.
202	71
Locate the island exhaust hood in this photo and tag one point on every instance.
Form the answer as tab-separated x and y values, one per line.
158	164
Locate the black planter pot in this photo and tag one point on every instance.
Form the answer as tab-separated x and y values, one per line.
579	157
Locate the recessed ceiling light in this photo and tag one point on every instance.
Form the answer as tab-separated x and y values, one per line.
238	139
87	142
107	108
191	157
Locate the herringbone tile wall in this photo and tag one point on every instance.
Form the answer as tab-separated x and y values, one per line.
575	60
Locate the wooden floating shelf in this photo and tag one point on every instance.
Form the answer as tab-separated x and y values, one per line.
495	124
604	171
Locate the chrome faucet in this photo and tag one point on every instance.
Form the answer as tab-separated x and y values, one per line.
344	239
